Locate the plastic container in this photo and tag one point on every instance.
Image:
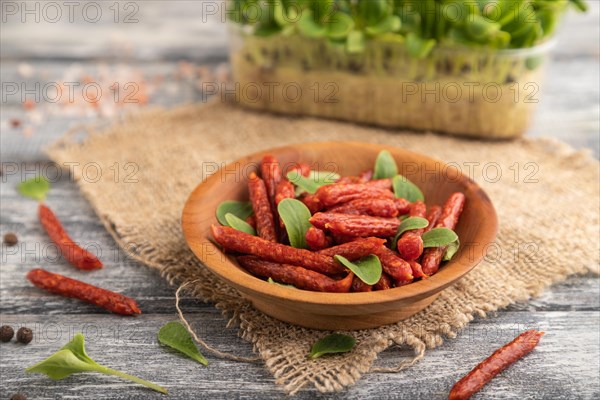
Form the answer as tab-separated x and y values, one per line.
461	91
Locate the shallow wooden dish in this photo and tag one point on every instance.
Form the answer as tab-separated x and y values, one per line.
346	311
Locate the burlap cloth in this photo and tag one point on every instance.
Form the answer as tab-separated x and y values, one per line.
546	195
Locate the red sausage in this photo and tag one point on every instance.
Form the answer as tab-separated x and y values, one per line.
355	249
302	168
403	206
251	220
432	257
312	202
355	225
410	244
338	193
494	364
271	175
301	278
374	207
385	282
234	240
359	286
265	222
316	239
433	216
67	287
417	270
285	190
76	255
398	269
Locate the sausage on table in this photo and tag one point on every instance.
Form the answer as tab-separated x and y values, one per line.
494	364
76	255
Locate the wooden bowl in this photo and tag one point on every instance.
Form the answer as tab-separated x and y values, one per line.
341	311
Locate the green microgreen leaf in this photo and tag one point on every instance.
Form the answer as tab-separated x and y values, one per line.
451	250
239	224
479	28
334	343
323	177
580	5
279	15
72	359
295	216
309	27
339	25
314	181
417	46
391	23
355	42
176	336
385	166
372	11
270	280
405	189
439	237
367	269
35	188
492	24
407	225
241	209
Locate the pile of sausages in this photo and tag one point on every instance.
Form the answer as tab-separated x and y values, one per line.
354	217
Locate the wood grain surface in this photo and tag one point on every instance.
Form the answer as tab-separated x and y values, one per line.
564	366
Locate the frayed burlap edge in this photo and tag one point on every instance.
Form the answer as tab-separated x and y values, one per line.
168	144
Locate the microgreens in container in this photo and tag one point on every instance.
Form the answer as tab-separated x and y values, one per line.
470	67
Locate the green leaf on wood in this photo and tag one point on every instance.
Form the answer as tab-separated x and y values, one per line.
405	189
35	188
239	224
295	215
439	237
367	269
176	336
313	181
385	166
451	250
407	225
241	209
334	343
72	359
271	281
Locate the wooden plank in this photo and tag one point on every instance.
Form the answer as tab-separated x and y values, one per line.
564	366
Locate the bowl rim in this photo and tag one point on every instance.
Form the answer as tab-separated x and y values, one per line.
244	281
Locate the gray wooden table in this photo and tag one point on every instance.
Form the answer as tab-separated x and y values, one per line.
566	366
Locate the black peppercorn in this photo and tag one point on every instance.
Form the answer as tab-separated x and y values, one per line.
10	239
18	396
6	333
24	335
